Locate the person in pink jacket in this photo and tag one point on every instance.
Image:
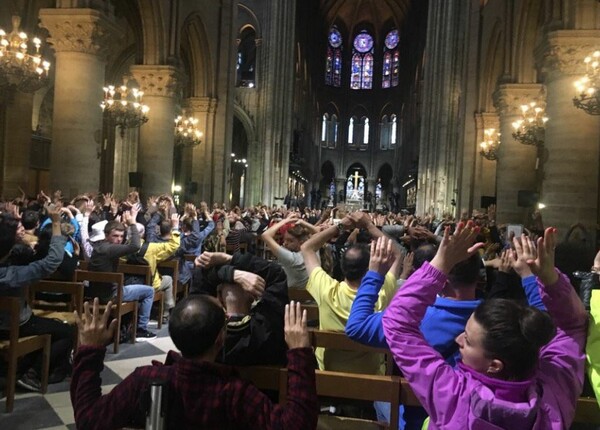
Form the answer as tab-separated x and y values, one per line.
521	368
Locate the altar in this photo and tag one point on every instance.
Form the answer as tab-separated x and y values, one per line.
355	192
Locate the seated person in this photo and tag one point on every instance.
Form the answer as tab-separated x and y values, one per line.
201	393
105	258
254	293
289	255
517	370
14	280
335	298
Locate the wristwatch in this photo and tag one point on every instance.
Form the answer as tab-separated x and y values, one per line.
340	227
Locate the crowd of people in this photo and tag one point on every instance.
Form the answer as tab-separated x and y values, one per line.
489	328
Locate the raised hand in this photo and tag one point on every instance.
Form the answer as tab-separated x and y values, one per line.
407	265
250	282
525	251
457	247
543	265
382	255
210	259
506	261
175	221
94	328
295	327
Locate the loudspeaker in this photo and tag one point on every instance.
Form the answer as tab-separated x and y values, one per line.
135	179
486	201
192	187
527	198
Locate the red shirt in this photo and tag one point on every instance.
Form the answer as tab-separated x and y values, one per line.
202	395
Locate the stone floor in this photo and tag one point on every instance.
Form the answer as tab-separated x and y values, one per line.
53	410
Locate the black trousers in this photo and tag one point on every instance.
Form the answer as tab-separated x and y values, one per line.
61	343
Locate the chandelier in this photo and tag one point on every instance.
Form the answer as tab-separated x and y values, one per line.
530	129
186	132
20	66
587	97
123	107
490	144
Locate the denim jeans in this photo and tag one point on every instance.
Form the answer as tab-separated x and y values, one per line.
410	417
143	294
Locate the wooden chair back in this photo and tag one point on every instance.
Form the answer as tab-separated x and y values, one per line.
300	295
16	346
170	268
139	270
103	283
73	289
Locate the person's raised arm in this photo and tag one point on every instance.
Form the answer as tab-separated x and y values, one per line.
363	324
268	235
524	251
316	241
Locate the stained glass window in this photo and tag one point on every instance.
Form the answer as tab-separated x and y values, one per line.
394	130
324	128
391	60
366	130
361	76
388	132
351	131
333	60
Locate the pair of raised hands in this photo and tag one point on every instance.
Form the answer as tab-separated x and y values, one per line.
96	330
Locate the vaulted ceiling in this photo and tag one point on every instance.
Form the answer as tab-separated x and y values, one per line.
380	13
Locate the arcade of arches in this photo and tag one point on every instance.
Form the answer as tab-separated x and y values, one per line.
381	103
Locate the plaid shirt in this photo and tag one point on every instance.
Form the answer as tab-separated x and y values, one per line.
201	395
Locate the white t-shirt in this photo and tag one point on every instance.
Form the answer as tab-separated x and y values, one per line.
293	265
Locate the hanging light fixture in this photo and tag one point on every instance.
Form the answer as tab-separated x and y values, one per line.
123	107
588	87
490	144
20	66
186	132
531	128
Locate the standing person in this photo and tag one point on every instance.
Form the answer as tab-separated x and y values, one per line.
515	372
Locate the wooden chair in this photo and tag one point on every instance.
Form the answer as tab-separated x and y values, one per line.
300	295
312	313
359	387
16	347
119	307
587	411
170	268
339	340
266	378
186	287
145	272
61	310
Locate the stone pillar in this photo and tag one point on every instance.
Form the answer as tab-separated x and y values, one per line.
570	186
275	126
155	152
516	165
484	183
80	38
17	144
440	136
204	109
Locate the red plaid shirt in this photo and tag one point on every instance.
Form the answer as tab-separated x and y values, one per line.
202	395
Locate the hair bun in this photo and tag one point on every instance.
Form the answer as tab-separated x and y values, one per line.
536	326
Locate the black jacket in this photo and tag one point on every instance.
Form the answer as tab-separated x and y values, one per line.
257	338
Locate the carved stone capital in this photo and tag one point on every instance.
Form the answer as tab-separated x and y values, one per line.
79	30
157	80
562	52
508	98
485	120
201	104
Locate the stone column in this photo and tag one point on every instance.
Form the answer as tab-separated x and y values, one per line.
204	109
570	186
155	152
484	183
80	38
516	165
17	144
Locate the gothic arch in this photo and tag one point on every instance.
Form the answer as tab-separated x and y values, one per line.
527	37
247	17
247	122
195	53
155	38
493	61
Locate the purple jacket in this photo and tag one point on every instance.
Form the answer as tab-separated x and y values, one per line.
462	398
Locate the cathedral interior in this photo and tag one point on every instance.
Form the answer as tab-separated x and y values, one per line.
436	107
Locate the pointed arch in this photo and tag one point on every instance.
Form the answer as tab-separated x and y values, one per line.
196	57
155	38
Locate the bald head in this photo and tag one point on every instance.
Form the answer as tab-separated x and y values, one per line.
195	324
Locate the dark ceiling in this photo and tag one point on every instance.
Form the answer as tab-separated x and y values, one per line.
381	13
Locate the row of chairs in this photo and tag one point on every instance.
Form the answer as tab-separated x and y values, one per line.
386	388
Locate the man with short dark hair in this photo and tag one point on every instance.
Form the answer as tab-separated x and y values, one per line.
105	258
200	393
335	298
